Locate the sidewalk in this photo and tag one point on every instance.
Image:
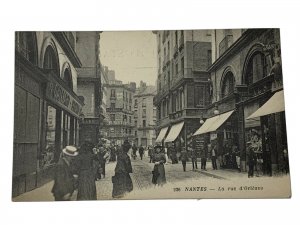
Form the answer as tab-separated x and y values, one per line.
225	174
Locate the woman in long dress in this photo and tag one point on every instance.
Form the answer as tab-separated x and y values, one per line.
122	182
86	173
159	159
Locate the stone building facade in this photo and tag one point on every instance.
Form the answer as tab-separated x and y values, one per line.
120	110
47	106
182	83
144	115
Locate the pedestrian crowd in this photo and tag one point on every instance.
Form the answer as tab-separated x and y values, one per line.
78	169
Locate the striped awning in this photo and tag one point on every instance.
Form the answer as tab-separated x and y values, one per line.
174	132
213	123
273	105
161	135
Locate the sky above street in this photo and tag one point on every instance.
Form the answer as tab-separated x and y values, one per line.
132	54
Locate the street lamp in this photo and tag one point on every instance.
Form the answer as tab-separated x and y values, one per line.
201	119
216	111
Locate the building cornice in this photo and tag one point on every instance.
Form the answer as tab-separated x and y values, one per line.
242	41
70	52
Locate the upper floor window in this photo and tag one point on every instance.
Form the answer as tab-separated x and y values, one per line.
27	45
113	93
67	77
227	85
200	95
51	60
256	69
144	102
135	103
112	117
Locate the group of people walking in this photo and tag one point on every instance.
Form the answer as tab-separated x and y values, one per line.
78	170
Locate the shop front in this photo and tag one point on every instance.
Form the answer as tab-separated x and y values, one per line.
61	111
267	133
221	133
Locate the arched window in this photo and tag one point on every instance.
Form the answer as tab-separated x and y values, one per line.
227	85
67	77
51	60
27	46
255	68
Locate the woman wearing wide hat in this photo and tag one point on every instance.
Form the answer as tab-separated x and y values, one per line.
159	158
122	182
64	180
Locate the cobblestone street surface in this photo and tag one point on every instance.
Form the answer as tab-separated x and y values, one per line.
141	177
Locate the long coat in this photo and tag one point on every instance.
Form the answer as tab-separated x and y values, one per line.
122	182
86	177
184	156
64	182
159	176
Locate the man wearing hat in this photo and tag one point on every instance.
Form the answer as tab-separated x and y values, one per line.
64	181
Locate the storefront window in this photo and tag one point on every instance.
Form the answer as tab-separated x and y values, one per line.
48	154
66	129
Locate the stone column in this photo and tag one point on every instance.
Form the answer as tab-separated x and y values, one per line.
273	143
279	141
241	136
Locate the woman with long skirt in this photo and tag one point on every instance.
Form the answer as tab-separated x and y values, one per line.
159	159
86	173
122	182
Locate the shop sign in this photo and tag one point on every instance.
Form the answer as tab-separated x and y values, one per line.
58	95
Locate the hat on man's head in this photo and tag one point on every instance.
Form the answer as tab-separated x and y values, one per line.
70	150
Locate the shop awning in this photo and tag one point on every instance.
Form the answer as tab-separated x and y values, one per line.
174	132
213	123
273	105
161	135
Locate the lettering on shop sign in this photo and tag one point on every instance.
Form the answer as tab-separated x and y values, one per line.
58	95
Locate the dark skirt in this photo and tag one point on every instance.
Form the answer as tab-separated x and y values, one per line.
159	176
86	185
122	184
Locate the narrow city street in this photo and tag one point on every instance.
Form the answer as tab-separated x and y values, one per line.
141	178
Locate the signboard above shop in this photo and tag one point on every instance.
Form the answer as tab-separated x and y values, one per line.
60	96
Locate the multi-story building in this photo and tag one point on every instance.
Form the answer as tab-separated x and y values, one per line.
183	83
144	115
104	82
246	78
89	84
47	105
120	109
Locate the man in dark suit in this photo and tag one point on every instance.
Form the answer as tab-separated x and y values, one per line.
64	180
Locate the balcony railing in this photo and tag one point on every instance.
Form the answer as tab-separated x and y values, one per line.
225	44
123	123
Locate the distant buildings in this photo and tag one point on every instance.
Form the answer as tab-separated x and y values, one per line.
144	115
119	109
